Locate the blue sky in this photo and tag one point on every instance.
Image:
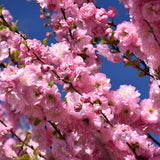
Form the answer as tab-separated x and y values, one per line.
29	23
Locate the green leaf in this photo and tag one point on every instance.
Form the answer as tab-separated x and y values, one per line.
105	40
97	102
16	55
14	28
31	119
35	154
96	40
65	100
54	133
135	145
25	43
134	63
25	157
50	83
1	8
70	80
112	37
37	122
19	144
15	24
28	137
25	149
45	41
72	26
2	27
127	53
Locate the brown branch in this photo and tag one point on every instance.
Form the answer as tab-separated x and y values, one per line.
106	119
56	129
154	140
155	37
23	142
133	150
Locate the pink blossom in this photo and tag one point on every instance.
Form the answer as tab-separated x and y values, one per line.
151	11
34	95
59	25
108	31
16	41
9	148
4	49
34	45
128	93
80	3
34	112
80	77
101	16
87	11
112	12
42	3
4	130
6	35
126	33
129	157
62	49
104	50
43	136
81	38
7	16
154	92
51	97
149	113
52	5
128	114
101	83
96	123
70	21
1	112
121	136
61	151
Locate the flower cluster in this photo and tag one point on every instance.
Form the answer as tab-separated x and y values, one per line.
93	122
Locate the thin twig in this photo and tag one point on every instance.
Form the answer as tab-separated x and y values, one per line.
155	37
64	15
148	68
56	129
154	140
23	142
133	150
106	119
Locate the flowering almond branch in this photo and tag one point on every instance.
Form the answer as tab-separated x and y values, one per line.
93	121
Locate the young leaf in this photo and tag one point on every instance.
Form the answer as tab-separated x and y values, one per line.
37	122
2	27
127	53
14	28
20	144
112	37
1	8
25	157
50	83
45	41
28	137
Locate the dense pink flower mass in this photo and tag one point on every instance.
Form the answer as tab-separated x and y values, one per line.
90	121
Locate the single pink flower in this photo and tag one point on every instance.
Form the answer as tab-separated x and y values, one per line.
87	11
